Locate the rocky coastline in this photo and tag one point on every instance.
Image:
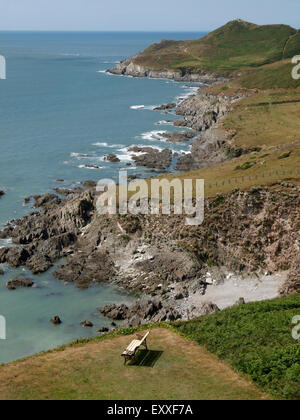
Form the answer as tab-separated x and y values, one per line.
247	248
129	68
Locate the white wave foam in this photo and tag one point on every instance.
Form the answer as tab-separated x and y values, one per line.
153	135
164	122
137	107
79	155
89	167
145	107
70	54
101	144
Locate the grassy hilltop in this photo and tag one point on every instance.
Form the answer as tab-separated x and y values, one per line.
245	352
235	46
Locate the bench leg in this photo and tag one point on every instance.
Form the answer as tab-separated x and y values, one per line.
145	344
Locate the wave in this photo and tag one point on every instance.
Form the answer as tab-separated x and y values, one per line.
137	107
5	242
100	144
164	122
146	107
90	167
154	135
111	62
70	54
111	146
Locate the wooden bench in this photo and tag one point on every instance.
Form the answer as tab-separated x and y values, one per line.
133	347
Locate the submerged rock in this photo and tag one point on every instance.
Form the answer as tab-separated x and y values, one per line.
55	320
103	330
112	158
18	282
165	107
87	324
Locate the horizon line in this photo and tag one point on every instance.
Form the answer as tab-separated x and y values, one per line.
103	31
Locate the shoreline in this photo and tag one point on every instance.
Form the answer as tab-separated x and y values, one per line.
173	284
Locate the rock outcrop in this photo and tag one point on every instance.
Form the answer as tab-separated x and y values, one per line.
129	68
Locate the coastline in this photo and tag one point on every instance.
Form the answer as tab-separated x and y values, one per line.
128	68
177	277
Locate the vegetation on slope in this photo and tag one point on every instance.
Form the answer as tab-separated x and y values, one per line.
235	46
256	339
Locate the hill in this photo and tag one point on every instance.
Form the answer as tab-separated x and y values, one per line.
235	46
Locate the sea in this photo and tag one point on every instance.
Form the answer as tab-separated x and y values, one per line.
60	113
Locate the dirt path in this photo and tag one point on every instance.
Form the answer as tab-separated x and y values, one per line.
286	44
180	369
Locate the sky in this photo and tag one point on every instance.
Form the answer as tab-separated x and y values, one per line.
142	15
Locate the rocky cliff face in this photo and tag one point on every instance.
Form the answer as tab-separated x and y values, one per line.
130	68
204	113
254	231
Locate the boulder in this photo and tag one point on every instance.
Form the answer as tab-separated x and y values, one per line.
115	312
55	320
112	158
103	330
239	302
87	323
18	282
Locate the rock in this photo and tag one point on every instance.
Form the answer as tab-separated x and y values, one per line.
89	184
63	191
179	296
103	330
152	158
55	320
209	308
1	193
1	272
14	256
179	137
39	263
87	324
46	200
165	107
115	312
19	282
239	302
206	308
92	166
112	158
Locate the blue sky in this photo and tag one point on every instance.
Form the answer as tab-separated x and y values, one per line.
136	15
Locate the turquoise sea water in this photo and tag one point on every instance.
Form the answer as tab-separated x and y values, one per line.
59	112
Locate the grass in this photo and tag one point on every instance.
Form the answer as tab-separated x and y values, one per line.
176	369
256	340
214	357
235	46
